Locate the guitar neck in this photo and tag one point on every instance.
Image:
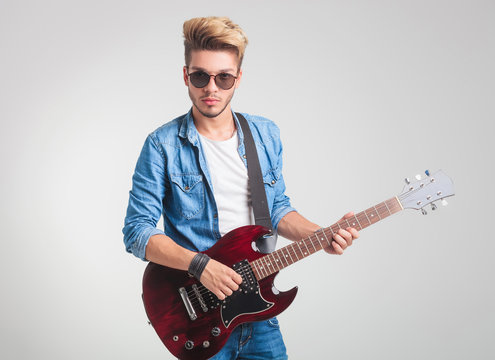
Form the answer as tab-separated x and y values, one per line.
298	250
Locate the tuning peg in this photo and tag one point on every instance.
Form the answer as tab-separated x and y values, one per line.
433	207
427	172
423	211
407	180
418	177
444	202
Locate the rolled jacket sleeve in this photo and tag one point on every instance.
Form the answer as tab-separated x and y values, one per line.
145	199
281	203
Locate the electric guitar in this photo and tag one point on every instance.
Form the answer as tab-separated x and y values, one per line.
194	324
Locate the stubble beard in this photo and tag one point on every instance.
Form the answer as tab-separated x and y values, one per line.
209	115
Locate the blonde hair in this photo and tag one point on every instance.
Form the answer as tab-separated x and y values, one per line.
213	33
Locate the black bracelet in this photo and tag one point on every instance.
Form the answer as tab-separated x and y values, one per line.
198	264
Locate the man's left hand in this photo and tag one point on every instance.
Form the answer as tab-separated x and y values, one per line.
343	238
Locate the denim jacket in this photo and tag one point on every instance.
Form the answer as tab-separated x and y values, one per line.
172	178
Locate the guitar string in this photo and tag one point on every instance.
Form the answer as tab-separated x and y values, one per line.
291	250
246	268
413	191
203	290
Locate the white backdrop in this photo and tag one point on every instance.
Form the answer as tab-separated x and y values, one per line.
365	93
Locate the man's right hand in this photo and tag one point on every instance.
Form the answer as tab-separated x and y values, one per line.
220	279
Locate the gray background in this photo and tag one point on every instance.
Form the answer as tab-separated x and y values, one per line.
365	93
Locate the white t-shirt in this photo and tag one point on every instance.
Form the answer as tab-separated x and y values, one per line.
230	183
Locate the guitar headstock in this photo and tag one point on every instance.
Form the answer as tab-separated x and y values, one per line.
425	191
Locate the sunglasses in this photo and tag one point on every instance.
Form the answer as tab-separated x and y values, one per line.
201	78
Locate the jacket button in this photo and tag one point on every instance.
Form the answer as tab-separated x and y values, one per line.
273	182
186	188
215	216
244	156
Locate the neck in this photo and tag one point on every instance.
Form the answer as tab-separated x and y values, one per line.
281	258
216	128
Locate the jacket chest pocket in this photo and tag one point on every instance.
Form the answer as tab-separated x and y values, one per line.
188	194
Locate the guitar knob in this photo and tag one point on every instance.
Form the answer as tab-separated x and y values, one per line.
215	331
189	344
206	344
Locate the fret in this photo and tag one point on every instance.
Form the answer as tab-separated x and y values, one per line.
328	242
305	244
394	205
363	218
377	213
372	216
256	266
387	207
317	237
314	244
255	270
275	261
291	259
284	256
382	210
295	253
355	217
269	265
263	267
369	221
351	225
279	259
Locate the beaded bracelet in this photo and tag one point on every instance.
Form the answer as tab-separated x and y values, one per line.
198	264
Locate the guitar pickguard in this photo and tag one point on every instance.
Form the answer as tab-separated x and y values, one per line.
247	299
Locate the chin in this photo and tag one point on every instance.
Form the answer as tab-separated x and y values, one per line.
211	113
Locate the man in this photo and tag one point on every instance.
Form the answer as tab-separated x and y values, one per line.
193	171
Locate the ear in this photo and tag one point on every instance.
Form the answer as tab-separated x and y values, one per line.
186	78
238	80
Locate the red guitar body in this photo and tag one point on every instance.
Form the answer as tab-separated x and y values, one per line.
190	320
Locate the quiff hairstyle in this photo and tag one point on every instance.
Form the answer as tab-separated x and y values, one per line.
213	33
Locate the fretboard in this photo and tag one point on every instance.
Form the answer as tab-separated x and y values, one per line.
298	250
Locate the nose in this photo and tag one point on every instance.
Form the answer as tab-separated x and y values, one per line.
212	86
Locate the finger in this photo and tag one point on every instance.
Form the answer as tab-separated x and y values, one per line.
340	241
338	249
232	285
220	295
348	215
236	277
346	235
227	291
354	233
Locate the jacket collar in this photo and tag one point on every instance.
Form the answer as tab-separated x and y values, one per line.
188	129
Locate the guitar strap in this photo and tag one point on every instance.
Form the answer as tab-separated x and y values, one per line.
267	243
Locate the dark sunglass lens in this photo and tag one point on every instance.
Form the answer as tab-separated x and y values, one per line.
225	81
199	79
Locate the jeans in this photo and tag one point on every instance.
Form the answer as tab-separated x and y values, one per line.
259	340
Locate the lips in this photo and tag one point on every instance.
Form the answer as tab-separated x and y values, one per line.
210	101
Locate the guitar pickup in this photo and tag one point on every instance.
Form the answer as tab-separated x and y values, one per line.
200	298
187	303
